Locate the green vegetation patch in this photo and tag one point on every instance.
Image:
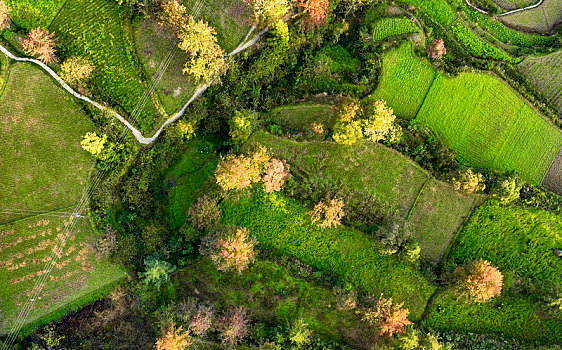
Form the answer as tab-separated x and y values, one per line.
404	81
301	117
279	222
545	74
95	29
385	28
44	166
26	248
32	13
478	47
439	10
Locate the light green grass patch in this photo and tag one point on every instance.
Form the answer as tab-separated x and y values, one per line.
25	250
301	117
44	165
385	28
404	81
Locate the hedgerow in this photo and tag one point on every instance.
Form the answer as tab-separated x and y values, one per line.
281	223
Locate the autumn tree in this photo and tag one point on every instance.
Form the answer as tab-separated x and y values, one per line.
478	280
202	321
76	69
266	12
275	174
205	213
438	49
347	128
230	249
389	318
328	213
174	14
40	42
174	339
468	182
377	119
233	327
93	143
299	333
4	15
242	124
237	172
316	11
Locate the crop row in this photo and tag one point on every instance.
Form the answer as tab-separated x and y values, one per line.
32	13
389	27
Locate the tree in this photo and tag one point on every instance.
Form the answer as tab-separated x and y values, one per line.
299	333
39	42
76	69
239	172
347	133
377	119
243	124
388	317
157	272
508	189
174	339
205	213
173	14
202	321
316	10
266	12
93	143
468	182
393	233
233	327
328	213
106	243
478	280
438	49
4	15
276	173
230	249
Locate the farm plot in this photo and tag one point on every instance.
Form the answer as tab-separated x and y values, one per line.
385	28
404	81
375	170
29	14
300	117
47	167
27	246
94	29
545	73
539	19
513	4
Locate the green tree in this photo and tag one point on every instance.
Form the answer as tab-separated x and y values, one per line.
242	124
299	333
157	272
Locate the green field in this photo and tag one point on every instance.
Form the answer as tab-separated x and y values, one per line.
373	169
95	29
545	73
26	247
281	223
300	117
385	28
477	115
31	13
47	167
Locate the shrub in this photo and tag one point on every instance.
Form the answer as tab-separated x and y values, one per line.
39	42
242	125
229	249
205	213
233	326
438	49
76	69
174	339
551	298
93	143
106	243
388	317
4	15
299	333
346	297
468	182
157	272
393	233
479	280
316	10
275	174
328	213
507	190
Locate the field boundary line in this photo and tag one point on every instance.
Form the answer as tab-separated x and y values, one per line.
429	178
58	13
505	13
39	214
138	135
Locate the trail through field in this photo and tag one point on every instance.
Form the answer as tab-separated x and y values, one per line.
508	12
138	135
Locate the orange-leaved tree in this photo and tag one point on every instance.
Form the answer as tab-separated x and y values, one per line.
4	15
389	318
174	339
230	249
328	213
479	280
316	11
40	42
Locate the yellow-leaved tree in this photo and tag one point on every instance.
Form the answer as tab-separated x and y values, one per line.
265	12
94	144
378	119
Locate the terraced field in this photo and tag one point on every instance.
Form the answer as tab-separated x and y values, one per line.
30	13
385	28
545	73
94	29
27	246
540	19
513	4
300	117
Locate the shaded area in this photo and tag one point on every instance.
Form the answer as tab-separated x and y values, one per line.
553	178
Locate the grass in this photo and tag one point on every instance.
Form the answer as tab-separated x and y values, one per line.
26	247
373	169
385	28
300	117
545	74
47	167
542	18
402	73
153	43
29	14
95	29
281	223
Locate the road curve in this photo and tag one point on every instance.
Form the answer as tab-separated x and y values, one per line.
138	135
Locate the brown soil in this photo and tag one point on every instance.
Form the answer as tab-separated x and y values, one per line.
553	178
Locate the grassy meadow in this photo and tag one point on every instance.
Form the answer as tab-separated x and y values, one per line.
48	168
25	250
301	117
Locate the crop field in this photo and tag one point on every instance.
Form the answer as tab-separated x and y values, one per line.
385	28
477	115
48	168
230	18
32	13
94	29
373	169
301	117
411	77
513	4
25	250
281	223
545	73
479	47
439	10
539	19
153	43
